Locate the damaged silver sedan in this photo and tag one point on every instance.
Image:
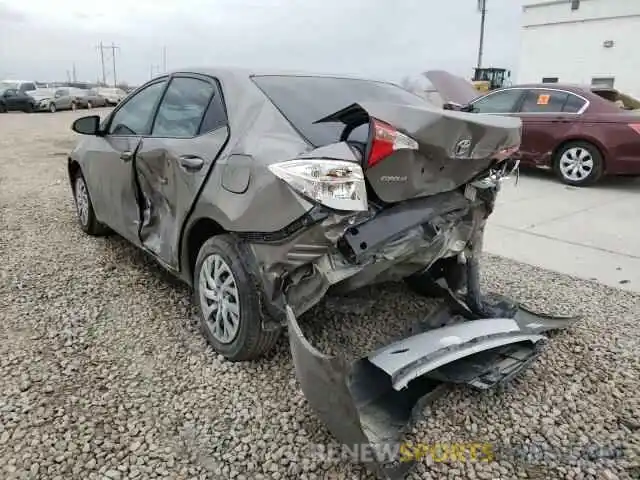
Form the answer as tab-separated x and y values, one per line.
264	192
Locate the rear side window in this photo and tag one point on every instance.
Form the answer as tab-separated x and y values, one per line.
305	99
573	104
182	108
544	101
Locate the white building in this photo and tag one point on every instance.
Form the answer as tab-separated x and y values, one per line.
581	41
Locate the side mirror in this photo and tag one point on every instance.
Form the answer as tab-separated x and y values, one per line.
87	125
452	106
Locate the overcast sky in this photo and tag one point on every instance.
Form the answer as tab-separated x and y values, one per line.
41	39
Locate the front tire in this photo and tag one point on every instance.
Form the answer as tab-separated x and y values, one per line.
84	208
89	106
52	107
228	303
578	164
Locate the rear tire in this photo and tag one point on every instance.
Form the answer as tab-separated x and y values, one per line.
84	208
222	284
578	164
89	106
28	108
74	107
3	108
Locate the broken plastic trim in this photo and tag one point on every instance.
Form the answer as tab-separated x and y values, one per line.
372	401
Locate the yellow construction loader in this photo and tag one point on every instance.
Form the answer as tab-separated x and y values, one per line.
485	79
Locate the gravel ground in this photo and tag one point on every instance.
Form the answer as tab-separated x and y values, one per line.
105	375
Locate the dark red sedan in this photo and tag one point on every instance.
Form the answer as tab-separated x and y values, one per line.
581	133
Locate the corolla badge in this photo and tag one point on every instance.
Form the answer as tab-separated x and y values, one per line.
393	178
462	148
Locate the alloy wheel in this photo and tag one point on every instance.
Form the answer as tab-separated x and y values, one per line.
219	299
82	200
576	164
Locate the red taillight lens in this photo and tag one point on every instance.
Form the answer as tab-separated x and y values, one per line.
386	140
635	127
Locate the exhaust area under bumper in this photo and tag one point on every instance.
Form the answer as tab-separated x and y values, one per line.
370	403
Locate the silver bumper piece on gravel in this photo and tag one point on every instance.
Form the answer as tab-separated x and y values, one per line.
369	403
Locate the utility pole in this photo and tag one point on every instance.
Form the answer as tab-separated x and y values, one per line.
164	59
113	57
104	72
482	7
74	72
113	49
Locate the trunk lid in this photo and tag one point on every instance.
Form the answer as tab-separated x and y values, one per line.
439	150
451	87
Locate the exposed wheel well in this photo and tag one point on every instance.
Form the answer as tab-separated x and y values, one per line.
573	140
73	167
200	232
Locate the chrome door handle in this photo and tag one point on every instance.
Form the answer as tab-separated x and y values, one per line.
126	156
191	162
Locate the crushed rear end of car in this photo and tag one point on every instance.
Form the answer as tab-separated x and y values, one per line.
410	194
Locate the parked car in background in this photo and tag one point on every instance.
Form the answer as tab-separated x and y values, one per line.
64	99
22	86
112	95
89	99
42	98
12	99
580	132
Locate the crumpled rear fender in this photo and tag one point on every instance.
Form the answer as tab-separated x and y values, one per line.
372	401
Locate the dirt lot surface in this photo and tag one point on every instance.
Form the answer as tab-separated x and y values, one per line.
104	373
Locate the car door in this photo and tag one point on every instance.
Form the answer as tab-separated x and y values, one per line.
11	99
547	116
189	132
61	99
110	173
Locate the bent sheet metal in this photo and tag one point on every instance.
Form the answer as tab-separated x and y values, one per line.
374	400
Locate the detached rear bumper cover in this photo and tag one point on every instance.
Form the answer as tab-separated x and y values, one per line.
373	400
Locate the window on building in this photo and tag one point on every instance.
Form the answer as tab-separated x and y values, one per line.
575	4
603	82
549	79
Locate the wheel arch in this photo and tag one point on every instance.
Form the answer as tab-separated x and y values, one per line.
73	167
195	234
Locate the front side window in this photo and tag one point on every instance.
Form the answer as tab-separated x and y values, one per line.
182	108
134	117
544	101
504	101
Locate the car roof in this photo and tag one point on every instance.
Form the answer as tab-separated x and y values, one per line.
570	87
245	72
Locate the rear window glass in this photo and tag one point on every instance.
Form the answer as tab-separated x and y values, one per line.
303	100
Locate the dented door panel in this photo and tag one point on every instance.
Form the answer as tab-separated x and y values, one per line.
170	173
